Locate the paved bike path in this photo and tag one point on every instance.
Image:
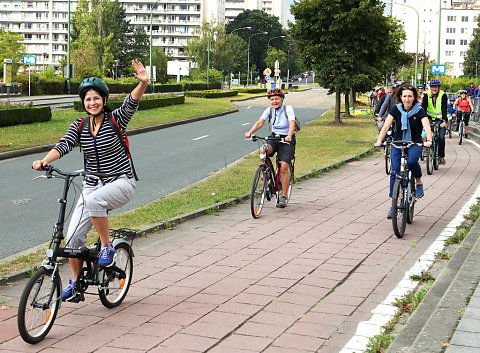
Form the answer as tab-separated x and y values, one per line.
296	280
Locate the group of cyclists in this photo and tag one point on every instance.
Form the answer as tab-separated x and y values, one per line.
413	117
101	136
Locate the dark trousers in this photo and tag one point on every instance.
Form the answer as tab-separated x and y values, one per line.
414	154
441	137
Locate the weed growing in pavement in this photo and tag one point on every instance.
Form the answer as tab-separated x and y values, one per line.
466	225
31	271
443	255
379	343
423	277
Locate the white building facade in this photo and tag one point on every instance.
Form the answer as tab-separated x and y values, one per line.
445	42
44	23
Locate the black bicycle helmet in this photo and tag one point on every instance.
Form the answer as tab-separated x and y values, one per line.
93	83
435	83
275	92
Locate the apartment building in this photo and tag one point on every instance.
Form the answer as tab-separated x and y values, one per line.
445	44
44	23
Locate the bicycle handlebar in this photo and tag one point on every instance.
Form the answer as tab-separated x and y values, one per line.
50	169
405	143
268	138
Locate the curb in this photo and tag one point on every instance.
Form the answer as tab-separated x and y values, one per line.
157	227
433	323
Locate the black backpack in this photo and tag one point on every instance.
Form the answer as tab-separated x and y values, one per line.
123	139
297	122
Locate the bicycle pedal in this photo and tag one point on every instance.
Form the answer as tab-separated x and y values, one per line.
77	298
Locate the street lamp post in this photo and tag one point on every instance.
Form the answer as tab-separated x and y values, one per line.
248	53
268	43
418	32
68	50
151	25
116	68
231	33
44	58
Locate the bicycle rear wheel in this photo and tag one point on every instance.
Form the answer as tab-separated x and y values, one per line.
399	219
388	159
39	305
430	160
259	190
450	128
115	285
410	198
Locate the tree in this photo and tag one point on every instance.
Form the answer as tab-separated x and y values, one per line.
345	42
260	22
160	60
101	24
227	52
276	54
472	57
11	47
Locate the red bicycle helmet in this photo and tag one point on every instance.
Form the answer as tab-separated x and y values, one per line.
275	92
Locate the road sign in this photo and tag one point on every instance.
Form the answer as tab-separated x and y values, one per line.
438	69
29	60
267	78
267	71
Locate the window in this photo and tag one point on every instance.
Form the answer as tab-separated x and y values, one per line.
27	36
462	54
450	41
463	30
475	18
450	30
463	42
449	53
28	26
464	18
38	15
183	7
451	18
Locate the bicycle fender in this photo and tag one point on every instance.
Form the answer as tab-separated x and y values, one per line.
120	240
51	268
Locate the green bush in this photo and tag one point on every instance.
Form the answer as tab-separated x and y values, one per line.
252	90
147	102
197	86
165	88
17	116
211	93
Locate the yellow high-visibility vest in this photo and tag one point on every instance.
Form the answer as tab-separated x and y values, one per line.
435	112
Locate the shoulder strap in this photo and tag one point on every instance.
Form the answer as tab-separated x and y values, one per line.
124	141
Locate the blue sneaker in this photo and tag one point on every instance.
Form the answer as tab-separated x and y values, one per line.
419	191
390	214
69	292
106	256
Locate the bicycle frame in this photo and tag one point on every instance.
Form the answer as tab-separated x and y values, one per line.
272	172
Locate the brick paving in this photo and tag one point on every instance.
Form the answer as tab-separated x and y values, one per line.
299	279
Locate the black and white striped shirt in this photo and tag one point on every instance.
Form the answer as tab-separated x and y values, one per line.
104	152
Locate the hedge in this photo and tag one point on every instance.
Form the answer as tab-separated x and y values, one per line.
252	90
198	86
211	94
147	102
18	116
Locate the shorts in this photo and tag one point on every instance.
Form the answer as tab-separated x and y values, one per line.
466	117
95	201
286	152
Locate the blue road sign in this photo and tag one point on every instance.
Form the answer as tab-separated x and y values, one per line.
29	59
438	69
267	78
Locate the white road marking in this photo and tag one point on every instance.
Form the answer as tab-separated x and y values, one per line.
245	124
385	311
249	107
201	137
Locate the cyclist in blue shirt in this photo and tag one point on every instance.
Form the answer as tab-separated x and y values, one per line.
281	118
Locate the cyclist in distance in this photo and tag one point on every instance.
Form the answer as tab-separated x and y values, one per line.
451	111
435	104
104	152
281	118
410	119
420	89
464	103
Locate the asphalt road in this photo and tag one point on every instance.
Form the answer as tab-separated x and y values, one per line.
166	160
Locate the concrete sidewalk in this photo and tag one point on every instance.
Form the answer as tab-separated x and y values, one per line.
300	279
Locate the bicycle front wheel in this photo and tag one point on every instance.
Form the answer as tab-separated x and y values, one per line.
388	159
399	219
292	178
39	305
411	198
115	283
430	160
461	132
259	191
435	156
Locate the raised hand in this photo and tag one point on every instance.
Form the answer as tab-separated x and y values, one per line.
140	73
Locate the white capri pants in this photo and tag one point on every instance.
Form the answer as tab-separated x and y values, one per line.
95	202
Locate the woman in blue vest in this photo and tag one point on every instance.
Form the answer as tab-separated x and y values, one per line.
410	119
